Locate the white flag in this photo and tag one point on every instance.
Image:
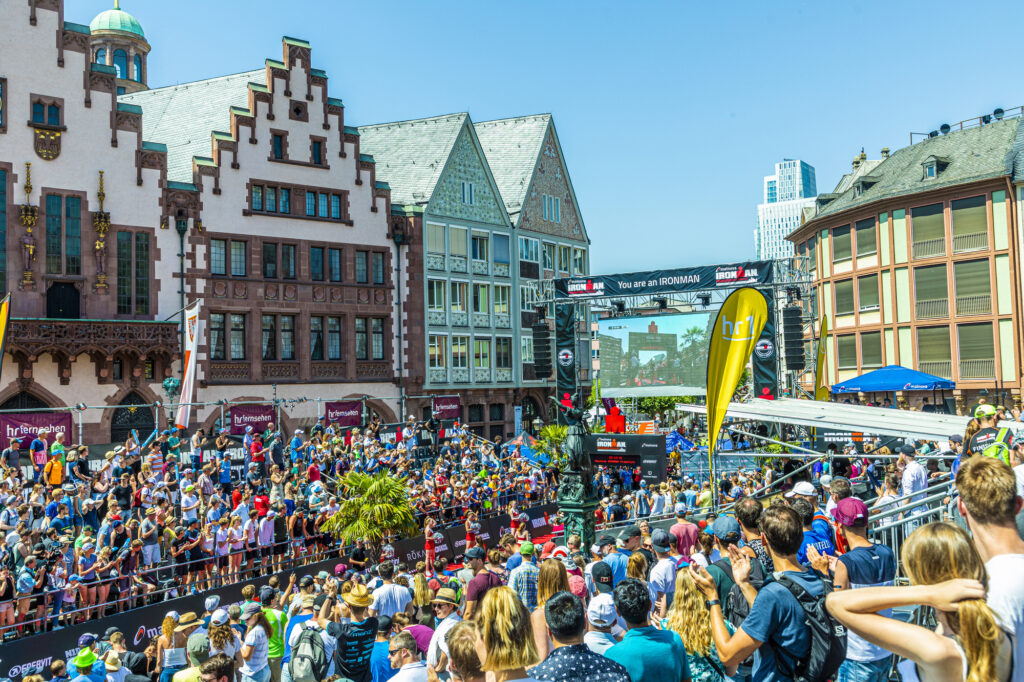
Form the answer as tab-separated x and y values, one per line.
189	379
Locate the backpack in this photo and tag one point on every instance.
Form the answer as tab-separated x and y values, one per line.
309	657
828	637
999	449
736	609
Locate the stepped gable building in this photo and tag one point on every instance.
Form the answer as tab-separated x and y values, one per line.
526	158
916	262
461	327
82	195
294	259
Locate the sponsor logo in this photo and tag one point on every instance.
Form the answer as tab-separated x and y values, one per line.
538	522
565	357
738	330
729	275
584	287
648	446
15	671
764	349
143	633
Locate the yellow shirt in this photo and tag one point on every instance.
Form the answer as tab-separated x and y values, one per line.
187	675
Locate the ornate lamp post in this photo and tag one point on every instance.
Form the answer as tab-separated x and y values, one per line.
577	498
172	387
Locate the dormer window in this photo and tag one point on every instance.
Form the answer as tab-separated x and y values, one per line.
933	166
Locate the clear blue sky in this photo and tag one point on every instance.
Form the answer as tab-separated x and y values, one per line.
669	113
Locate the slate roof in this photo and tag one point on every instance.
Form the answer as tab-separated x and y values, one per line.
1016	156
410	155
512	146
863	168
974	154
184	116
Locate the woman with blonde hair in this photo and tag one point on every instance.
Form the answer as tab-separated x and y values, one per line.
688	618
170	648
504	636
422	595
947	574
553	579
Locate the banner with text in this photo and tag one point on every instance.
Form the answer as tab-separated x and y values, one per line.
28	424
704	277
630	451
346	413
448	407
256	416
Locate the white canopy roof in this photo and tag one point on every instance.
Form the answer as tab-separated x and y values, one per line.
879	421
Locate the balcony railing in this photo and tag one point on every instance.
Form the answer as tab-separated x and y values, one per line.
930	248
938	307
974	305
940	368
73	337
978	241
978	369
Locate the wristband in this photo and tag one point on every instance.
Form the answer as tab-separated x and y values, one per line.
712	602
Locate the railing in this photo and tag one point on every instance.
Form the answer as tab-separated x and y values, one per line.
930	248
940	368
977	369
974	305
977	241
938	307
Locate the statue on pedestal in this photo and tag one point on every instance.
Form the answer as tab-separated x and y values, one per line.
577	497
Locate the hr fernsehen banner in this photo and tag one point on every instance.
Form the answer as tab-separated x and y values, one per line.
29	424
256	416
448	407
345	413
666	281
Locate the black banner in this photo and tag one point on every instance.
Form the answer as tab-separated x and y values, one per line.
540	519
138	625
766	355
565	351
704	277
628	450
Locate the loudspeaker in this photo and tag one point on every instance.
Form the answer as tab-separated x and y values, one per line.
542	366
793	338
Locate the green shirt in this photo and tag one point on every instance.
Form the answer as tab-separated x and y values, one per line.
278	622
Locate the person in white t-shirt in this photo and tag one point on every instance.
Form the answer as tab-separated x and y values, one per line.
389	598
663	575
989	504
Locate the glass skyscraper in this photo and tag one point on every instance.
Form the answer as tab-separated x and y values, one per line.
786	193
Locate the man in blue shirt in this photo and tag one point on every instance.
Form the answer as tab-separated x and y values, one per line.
812	536
776	625
647	653
618	558
295	446
380	662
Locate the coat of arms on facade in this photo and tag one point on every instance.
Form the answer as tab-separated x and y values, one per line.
47	144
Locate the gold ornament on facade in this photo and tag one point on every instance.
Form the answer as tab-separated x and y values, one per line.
47	143
163	222
29	214
101	223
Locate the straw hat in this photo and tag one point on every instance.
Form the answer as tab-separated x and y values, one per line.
187	621
359	597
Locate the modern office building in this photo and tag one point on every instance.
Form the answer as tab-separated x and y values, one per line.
916	263
786	193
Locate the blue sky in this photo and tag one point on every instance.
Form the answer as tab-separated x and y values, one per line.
669	113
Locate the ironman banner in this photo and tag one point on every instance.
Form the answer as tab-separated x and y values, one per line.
820	378
736	331
189	379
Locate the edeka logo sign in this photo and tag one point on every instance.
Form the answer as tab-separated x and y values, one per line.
739	330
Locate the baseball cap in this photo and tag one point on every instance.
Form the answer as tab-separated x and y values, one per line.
630	532
681	508
323	575
726	526
219	617
802	488
384	624
661	540
605	540
306	581
602	575
826	481
601	611
212	602
850	511
88	639
267	594
984	410
476	553
956	438
526	549
907	450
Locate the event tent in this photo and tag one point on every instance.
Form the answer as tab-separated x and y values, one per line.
893	378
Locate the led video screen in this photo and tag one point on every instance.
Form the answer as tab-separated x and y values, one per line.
656	355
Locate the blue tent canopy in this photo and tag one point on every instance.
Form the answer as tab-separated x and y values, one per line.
893	378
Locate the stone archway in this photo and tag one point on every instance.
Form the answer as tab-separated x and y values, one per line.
24	401
133	413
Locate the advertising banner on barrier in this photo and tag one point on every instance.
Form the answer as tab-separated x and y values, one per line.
704	277
496	526
540	519
346	413
256	416
138	625
29	424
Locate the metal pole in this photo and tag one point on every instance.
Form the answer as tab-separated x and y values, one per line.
80	440
222	414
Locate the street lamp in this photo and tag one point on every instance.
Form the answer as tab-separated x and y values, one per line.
172	387
538	423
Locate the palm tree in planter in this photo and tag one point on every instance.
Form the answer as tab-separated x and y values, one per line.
372	508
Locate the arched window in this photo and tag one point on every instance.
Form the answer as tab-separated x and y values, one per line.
53	115
38	112
133	413
138	68
121	63
101	56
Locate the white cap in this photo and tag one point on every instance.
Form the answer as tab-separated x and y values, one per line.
601	611
802	488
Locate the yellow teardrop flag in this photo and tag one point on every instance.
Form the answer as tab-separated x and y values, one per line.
5	313
821	391
736	331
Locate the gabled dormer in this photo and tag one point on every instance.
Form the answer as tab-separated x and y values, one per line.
933	166
864	183
825	199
